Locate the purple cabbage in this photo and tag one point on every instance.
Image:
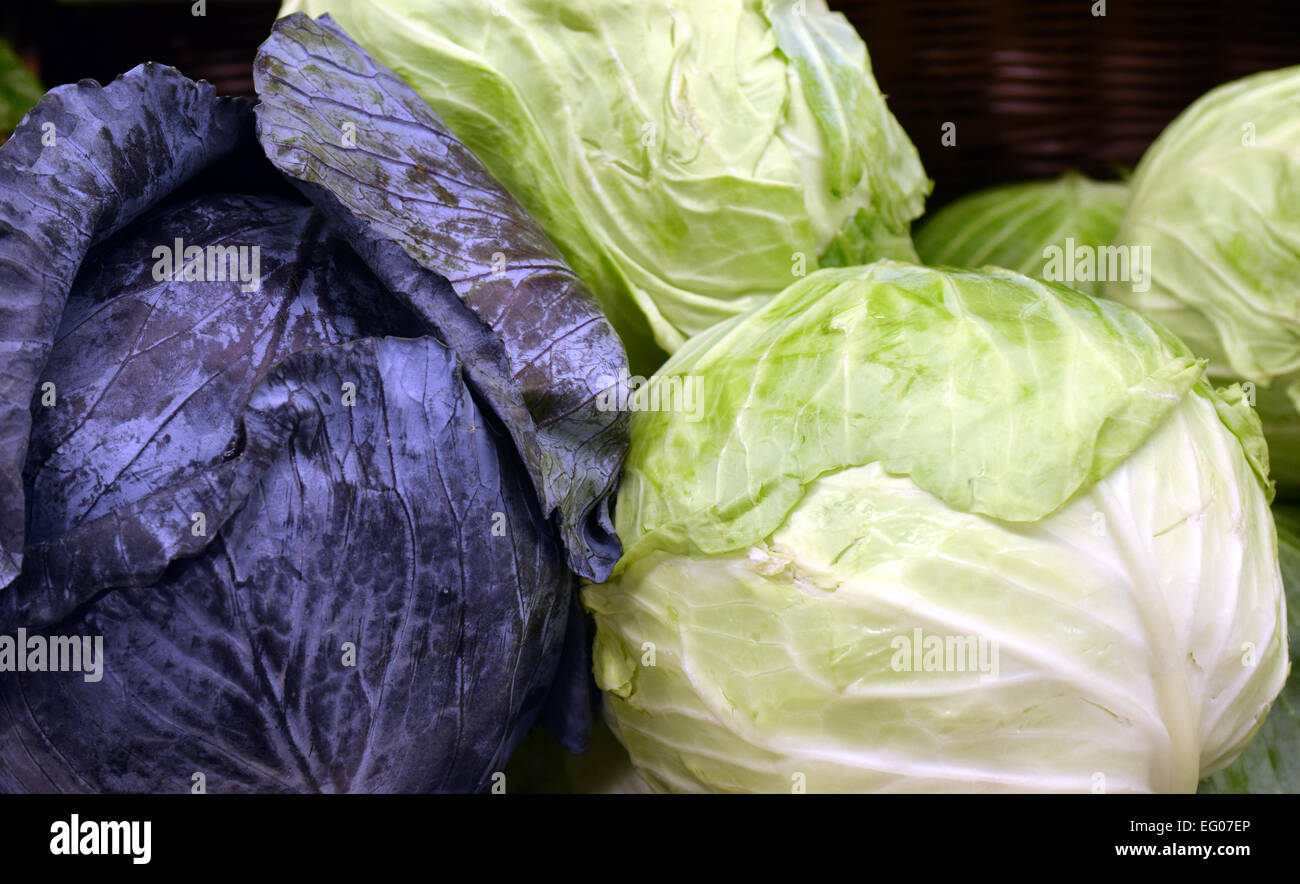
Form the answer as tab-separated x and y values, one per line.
298	412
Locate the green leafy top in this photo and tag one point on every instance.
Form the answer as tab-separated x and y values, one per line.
1000	394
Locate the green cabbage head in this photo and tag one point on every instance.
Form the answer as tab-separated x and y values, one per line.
690	159
1033	228
927	530
1217	200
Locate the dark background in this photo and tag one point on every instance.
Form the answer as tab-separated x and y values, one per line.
1034	87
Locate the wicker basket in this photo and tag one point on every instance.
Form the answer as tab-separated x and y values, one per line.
1036	87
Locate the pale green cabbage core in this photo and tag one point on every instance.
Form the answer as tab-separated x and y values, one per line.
687	158
1138	632
1024	227
1217	199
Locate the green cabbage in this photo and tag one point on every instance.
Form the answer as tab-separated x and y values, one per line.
1025	226
1217	200
887	457
19	90
690	160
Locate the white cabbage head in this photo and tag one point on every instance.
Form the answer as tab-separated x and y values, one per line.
1049	566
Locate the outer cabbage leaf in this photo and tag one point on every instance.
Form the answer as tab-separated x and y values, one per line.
1271	763
480	271
682	157
968	382
153	130
865	156
1014	226
1217	199
979	456
240	489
